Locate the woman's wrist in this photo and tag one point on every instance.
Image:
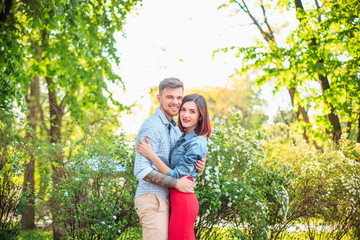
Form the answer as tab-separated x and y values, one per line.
152	155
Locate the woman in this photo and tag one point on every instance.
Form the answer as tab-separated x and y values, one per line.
194	122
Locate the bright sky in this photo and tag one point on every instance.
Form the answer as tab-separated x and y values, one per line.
176	38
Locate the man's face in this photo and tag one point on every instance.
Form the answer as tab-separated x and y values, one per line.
170	100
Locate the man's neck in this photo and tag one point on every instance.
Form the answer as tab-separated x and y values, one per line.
166	115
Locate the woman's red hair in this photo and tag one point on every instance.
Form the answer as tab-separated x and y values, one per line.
203	127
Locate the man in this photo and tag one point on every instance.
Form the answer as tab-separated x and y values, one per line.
152	194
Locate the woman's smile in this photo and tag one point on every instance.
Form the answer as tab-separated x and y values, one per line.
189	115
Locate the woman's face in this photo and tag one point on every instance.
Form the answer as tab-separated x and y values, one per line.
189	116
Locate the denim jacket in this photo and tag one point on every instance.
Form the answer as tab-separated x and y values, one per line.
186	152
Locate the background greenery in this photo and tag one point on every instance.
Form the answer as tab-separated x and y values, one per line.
64	170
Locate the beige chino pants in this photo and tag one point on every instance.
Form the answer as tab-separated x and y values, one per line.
154	214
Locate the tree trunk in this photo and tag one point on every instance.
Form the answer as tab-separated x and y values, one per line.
301	110
28	217
333	118
323	79
348	129
56	114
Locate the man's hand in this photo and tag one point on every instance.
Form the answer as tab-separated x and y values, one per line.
185	185
200	164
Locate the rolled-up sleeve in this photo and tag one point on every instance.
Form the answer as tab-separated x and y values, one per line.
143	166
187	161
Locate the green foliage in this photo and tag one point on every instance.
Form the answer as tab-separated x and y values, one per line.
61	53
319	59
257	185
11	167
236	190
96	195
325	185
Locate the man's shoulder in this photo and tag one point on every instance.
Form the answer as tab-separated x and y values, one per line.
152	124
153	120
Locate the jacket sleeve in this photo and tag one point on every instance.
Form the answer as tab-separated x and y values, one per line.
188	159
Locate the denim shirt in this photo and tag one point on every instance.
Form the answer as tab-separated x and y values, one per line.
186	152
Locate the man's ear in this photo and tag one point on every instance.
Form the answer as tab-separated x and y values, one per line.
158	98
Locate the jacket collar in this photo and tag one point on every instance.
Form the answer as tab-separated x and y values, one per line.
189	136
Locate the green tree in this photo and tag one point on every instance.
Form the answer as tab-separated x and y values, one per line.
66	50
318	62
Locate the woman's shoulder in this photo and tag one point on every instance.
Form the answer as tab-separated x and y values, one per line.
200	138
198	141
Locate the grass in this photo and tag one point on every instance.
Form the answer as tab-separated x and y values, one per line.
135	233
38	234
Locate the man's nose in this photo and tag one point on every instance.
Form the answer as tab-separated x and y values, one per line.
177	101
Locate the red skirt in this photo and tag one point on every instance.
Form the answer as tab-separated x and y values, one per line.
184	209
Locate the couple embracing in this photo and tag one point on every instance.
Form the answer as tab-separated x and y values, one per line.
168	157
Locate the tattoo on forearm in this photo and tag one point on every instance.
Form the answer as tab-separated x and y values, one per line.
158	178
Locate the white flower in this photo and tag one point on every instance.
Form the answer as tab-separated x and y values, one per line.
114	217
66	194
102	222
121	181
229	204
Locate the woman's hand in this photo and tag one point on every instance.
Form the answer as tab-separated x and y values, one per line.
144	148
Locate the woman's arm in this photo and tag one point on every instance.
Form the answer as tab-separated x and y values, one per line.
186	161
145	149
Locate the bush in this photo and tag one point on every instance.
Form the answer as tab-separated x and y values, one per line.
256	185
95	198
11	167
325	185
236	190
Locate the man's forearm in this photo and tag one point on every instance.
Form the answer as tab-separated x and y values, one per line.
158	178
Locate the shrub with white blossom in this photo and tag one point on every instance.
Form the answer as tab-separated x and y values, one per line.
236	191
325	185
257	185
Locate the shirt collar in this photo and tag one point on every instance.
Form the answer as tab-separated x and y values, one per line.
189	136
163	118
